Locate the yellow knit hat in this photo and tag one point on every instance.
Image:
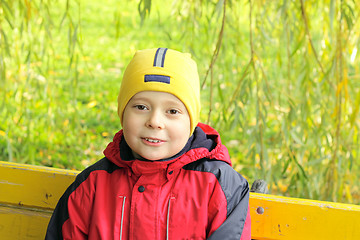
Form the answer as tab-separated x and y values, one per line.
162	70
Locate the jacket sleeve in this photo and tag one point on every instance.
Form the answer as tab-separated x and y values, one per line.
231	219
70	217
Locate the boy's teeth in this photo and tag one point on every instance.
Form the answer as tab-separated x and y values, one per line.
152	140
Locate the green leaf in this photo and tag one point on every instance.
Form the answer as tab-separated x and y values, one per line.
144	8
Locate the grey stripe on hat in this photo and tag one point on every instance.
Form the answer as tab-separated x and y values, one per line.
160	57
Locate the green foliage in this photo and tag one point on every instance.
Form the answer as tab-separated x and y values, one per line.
280	82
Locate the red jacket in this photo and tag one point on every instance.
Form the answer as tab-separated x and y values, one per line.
196	195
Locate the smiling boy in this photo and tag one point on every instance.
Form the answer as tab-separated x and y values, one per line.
164	175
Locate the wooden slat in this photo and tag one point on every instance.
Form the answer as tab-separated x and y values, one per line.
27	185
293	218
28	195
23	223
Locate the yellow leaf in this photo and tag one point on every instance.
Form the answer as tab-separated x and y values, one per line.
66	122
345	82
339	88
334	114
86	58
2	133
283	188
348	194
92	104
240	104
105	134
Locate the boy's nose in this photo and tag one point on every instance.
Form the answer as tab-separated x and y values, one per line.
155	121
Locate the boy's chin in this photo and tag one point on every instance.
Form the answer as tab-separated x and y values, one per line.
146	158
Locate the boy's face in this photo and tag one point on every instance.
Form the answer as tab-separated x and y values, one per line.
156	125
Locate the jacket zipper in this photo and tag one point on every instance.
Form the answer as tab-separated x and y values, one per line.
168	218
122	216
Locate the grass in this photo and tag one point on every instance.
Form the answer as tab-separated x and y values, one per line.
283	92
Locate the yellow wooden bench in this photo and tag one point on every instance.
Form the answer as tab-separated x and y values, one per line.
28	195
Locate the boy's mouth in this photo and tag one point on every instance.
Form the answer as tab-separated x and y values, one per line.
152	140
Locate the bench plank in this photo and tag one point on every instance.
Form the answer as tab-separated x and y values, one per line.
27	185
298	219
23	223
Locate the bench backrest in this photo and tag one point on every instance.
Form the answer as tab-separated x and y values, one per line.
28	195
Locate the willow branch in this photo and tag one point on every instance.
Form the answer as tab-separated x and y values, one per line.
213	60
218	46
236	92
211	94
303	14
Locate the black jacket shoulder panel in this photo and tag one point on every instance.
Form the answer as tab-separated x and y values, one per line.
234	186
103	164
61	213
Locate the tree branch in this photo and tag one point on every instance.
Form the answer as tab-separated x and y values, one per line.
303	14
218	45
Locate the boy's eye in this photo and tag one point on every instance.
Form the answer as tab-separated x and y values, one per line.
173	111
140	107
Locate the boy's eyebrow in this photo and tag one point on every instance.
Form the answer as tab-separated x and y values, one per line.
139	99
170	102
175	103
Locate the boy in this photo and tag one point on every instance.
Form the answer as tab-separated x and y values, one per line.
165	175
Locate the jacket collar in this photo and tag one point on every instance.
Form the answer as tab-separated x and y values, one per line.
205	143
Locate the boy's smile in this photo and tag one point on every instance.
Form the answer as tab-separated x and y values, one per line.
156	125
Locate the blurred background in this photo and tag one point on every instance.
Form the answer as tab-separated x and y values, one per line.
280	82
